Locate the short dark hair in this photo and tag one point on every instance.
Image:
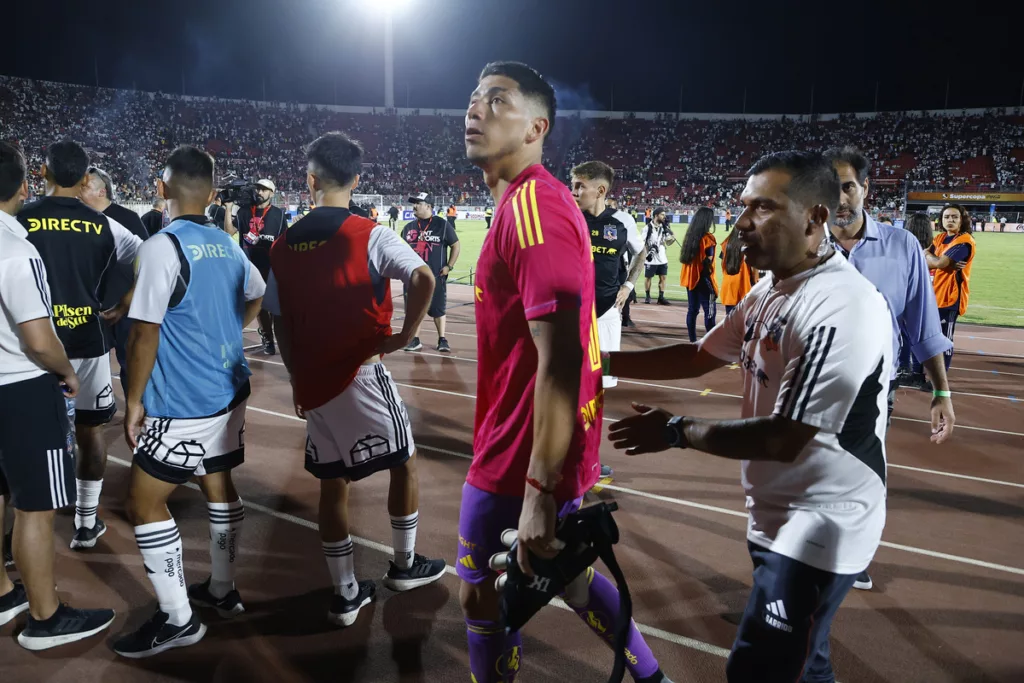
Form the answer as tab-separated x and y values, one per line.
12	171
191	165
595	170
67	162
852	156
530	82
335	157
814	179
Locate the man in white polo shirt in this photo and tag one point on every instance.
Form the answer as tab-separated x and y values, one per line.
37	470
814	342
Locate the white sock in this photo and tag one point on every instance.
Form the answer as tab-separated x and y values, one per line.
225	527
88	502
160	545
342	566
403	537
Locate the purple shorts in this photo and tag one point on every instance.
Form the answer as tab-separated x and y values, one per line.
483	517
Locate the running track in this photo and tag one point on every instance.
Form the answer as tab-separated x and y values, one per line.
948	603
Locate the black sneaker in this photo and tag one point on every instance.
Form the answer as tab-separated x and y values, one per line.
67	625
414	345
344	612
863	581
607	471
13	603
228	606
915	380
86	538
442	345
156	636
926	385
268	343
628	322
647	299
902	377
422	572
662	301
9	549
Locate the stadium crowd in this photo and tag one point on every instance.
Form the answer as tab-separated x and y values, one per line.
667	162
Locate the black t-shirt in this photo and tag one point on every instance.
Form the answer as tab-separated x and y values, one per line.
608	238
122	276
78	250
257	230
431	239
154	221
393	212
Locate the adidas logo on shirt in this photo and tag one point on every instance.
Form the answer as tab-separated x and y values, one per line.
778	610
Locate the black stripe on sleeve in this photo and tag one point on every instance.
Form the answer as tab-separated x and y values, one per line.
817	371
39	274
806	361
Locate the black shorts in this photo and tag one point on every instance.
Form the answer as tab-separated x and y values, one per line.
651	271
37	473
439	303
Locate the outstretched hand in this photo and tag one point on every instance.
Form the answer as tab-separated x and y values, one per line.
641	433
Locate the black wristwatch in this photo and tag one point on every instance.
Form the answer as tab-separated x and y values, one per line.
674	433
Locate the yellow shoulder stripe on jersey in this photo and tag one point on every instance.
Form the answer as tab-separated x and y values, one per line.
519	222
536	214
524	208
525	205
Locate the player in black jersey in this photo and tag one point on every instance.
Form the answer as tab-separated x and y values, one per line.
79	247
612	233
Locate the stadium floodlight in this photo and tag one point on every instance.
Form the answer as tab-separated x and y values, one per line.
389	8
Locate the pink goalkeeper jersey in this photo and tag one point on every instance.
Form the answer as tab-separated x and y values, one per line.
535	260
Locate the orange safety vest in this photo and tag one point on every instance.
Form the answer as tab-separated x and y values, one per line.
951	284
735	287
452	212
689	273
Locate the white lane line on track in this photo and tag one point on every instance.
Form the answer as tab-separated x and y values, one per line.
713	508
651	631
658	386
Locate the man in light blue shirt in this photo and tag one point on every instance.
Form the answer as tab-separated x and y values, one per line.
892	260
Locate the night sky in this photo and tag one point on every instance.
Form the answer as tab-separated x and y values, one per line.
642	53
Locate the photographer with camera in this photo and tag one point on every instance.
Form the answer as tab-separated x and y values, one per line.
258	223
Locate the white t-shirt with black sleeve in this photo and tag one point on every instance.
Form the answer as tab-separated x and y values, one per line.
24	296
815	348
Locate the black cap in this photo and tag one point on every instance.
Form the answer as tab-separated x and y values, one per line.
420	197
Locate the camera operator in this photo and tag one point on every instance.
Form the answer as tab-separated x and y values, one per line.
216	212
258	226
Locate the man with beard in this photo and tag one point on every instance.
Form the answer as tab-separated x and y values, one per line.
258	226
891	259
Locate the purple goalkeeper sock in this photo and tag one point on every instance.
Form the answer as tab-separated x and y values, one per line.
600	613
488	646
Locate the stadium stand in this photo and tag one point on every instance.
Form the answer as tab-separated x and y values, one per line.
660	162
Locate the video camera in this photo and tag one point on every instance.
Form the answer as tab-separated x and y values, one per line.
239	192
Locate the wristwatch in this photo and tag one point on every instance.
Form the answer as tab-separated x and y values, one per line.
674	433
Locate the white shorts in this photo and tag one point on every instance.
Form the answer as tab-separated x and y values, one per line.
94	404
361	431
609	335
174	449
